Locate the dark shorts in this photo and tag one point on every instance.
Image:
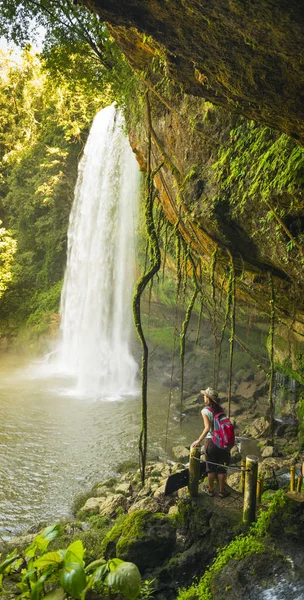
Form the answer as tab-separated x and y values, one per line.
215	455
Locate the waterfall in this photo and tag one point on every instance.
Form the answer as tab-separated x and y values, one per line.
96	300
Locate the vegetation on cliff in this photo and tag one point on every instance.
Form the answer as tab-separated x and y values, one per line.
41	140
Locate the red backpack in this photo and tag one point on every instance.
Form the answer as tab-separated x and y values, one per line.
223	430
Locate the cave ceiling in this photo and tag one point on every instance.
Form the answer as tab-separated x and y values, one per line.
247	56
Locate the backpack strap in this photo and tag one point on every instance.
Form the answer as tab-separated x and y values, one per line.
215	415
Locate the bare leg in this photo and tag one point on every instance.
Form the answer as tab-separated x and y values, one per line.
211	480
221	480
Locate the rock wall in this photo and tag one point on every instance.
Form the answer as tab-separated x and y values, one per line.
244	56
232	187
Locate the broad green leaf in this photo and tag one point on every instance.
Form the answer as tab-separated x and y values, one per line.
73	579
36	589
40	543
74	553
50	533
58	594
6	563
93	565
29	574
51	558
31	549
114	563
125	579
98	575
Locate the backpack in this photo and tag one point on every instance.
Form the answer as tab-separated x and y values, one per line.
223	430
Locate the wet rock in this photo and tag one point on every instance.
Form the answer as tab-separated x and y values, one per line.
109	506
258	428
160	490
246	389
147	503
146	539
234	481
181	453
269	466
123	488
93	505
267	452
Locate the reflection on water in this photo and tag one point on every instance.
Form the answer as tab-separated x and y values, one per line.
54	444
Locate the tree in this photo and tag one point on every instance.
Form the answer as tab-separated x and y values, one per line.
40	141
8	248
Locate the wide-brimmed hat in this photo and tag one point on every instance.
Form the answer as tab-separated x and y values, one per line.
211	393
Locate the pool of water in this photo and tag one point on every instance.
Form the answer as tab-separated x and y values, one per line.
55	444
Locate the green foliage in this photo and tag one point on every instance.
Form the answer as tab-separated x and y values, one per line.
8	247
63	573
40	141
263	164
255	542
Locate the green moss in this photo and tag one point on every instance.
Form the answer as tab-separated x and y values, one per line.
108	545
255	542
193	517
259	163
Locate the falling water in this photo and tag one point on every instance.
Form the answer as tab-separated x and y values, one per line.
96	300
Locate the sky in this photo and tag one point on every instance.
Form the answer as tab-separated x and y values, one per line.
39	33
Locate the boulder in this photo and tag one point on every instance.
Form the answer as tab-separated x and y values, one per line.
148	503
147	539
123	488
258	428
160	490
109	505
180	453
234	481
93	505
246	389
267	452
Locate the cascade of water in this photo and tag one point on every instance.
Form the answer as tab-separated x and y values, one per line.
96	299
285	397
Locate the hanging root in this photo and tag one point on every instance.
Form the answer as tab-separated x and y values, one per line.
183	341
155	262
232	327
271	353
214	320
186	323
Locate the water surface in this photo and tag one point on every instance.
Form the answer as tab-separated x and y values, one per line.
55	444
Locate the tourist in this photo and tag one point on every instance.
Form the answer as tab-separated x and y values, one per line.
213	454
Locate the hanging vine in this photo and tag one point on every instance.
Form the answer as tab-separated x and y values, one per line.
183	342
199	319
271	355
213	321
165	249
232	327
226	317
155	262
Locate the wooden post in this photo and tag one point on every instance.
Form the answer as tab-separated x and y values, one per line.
194	471
299	483
259	490
251	476
243	467
292	478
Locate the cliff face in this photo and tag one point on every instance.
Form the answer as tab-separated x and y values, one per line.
245	56
231	185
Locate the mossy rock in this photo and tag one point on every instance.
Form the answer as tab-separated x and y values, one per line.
181	568
108	546
194	515
239	578
146	539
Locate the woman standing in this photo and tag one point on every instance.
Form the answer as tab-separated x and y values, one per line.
213	454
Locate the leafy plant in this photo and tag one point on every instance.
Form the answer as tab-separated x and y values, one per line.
61	574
